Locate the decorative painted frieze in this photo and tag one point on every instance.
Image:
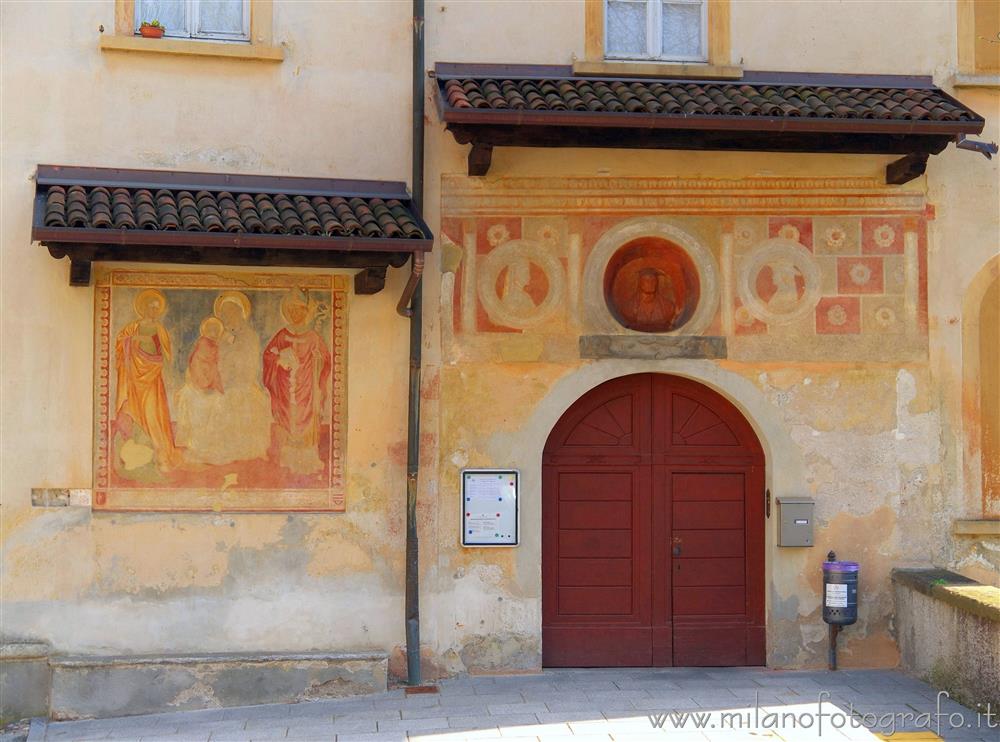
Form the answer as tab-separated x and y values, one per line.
786	268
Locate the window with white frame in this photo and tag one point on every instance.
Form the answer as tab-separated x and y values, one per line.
223	20
668	30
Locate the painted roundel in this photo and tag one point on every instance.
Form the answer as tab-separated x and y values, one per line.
779	281
651	285
521	284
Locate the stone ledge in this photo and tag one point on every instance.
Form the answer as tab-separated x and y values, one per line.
24	650
980	527
88	686
193	48
970	80
652	347
82	660
948	587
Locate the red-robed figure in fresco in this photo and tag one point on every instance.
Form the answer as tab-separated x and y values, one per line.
141	349
297	369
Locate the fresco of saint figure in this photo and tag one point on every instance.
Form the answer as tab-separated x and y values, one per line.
244	404
297	367
199	422
141	349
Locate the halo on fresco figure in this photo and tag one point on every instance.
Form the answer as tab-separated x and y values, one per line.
234	297
512	305
779	281
600	317
146	297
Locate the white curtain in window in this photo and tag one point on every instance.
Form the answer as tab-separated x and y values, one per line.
220	18
626	28
681	28
172	14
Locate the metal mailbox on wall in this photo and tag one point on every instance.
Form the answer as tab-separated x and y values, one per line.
795	521
490	512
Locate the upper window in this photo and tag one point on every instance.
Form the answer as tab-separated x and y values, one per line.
667	30
226	20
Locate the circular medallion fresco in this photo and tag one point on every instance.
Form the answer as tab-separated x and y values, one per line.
520	284
651	285
779	281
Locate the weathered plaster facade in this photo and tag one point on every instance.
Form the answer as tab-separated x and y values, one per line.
878	424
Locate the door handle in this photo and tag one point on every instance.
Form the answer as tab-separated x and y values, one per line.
677	547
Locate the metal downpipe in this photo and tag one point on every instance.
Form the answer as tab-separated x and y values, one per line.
412	598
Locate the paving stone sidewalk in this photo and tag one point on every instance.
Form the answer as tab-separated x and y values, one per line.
635	705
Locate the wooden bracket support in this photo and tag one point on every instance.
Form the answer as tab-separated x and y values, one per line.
370	280
480	158
79	272
906	169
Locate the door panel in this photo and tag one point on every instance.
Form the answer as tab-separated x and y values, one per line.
711	543
711	516
652	529
608	487
708	572
596	591
595	571
595	543
595	601
710	602
596	514
723	645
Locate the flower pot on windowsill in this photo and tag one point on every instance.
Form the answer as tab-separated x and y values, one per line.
151	32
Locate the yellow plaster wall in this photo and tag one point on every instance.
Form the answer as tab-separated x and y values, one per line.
156	582
338	106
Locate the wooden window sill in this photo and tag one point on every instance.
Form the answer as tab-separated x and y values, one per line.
191	48
658	69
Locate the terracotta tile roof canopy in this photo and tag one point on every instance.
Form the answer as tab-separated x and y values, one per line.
183	217
546	106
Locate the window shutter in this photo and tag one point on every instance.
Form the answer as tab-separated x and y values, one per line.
172	15
221	19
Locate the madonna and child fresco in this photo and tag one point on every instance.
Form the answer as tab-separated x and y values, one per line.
220	393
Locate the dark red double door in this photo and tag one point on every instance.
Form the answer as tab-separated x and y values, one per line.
652	529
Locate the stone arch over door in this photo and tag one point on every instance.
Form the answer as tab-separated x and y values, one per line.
653	529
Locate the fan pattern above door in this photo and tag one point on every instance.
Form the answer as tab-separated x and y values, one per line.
608	425
694	424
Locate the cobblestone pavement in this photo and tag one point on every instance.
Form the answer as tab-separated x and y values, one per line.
580	706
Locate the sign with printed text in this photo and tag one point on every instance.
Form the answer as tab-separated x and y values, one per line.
490	507
836	596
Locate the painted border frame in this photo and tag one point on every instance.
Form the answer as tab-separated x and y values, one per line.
109	498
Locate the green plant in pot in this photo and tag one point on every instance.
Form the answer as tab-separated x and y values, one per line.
152	29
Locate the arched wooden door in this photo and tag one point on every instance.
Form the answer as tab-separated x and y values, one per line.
652	529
